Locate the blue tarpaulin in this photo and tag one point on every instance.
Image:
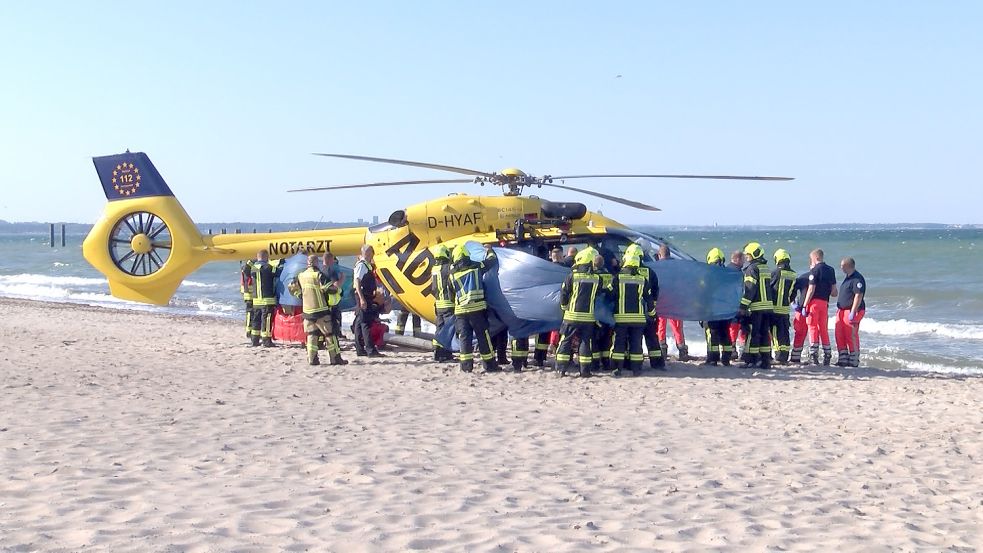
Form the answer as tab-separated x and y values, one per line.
524	292
297	263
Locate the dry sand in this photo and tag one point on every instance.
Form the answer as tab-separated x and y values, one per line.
133	431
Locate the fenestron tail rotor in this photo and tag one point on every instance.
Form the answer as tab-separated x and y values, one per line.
140	243
513	181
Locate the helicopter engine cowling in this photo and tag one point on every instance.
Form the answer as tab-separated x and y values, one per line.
563	210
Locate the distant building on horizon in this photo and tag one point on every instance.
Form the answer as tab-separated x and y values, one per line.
375	219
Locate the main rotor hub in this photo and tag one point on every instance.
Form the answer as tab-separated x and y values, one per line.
512	180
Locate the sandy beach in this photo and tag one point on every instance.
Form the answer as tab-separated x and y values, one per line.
135	431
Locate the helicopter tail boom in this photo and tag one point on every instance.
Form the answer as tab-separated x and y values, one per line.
145	243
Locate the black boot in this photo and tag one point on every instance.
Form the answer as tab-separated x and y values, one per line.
268	343
657	363
254	341
560	368
765	361
467	366
783	358
725	358
585	371
684	353
491	366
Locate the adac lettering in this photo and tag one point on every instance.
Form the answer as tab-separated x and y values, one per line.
455	220
416	270
299	246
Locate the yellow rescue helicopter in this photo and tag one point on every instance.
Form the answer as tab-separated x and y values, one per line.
146	244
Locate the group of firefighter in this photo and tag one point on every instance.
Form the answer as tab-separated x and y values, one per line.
761	326
318	286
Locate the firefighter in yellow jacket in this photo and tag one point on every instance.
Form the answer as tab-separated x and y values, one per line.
263	274
757	307
633	307
317	294
246	289
720	349
443	294
471	308
651	332
577	294
782	286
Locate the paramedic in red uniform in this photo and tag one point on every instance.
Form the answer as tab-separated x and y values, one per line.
850	310
675	324
822	285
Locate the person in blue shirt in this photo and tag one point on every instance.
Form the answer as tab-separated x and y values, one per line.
850	310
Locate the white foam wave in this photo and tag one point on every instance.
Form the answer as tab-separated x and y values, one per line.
904	327
922	366
214	306
196	284
50	280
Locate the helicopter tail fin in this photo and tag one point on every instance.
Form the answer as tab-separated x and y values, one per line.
129	176
145	243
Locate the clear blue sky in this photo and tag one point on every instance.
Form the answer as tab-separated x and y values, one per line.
875	107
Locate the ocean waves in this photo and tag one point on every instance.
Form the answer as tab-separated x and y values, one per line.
904	327
193	297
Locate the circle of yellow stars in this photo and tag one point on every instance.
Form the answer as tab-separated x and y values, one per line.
126	178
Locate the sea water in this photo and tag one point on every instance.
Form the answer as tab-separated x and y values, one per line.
924	300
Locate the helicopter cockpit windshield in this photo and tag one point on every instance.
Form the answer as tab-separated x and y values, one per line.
650	244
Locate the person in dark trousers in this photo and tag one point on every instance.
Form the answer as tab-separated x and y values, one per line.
719	347
782	286
471	308
264	276
329	268
316	292
633	307
757	306
366	311
404	315
603	333
246	289
850	309
651	331
443	294
577	295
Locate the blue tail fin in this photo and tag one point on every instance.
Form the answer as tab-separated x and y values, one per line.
129	175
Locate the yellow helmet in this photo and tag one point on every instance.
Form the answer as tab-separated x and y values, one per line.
715	255
441	252
631	260
754	251
782	255
461	252
633	249
585	256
